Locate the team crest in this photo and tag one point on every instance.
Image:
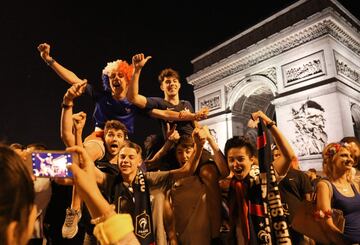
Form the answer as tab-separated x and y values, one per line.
143	228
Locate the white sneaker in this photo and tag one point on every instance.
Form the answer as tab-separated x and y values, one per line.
70	226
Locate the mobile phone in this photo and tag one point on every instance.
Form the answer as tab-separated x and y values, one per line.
49	164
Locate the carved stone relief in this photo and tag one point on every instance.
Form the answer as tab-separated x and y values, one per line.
346	68
211	101
324	27
304	69
309	128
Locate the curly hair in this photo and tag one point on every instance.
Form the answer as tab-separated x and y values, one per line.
120	66
117	125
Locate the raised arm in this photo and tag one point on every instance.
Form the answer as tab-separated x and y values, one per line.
172	137
103	214
190	166
67	75
79	120
219	157
66	123
282	164
133	95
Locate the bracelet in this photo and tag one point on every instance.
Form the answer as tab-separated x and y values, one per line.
50	62
197	116
110	211
270	124
65	106
319	214
181	115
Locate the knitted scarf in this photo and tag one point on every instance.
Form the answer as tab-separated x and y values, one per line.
256	203
135	200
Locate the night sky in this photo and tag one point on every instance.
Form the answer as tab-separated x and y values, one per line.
84	38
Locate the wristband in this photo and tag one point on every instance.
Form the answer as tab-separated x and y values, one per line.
270	124
181	115
65	106
50	62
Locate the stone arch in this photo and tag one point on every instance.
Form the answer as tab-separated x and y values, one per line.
355	114
249	90
251	94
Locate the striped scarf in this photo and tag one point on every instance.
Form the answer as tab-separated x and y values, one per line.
256	203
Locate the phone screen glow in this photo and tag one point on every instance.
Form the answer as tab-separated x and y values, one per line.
51	164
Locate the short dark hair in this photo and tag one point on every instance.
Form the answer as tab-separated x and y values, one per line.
350	139
16	146
168	72
117	125
185	141
37	146
238	142
312	170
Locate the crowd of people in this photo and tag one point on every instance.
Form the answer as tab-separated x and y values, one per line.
174	191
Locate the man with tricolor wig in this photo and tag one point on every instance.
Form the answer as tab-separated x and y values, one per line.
110	104
245	186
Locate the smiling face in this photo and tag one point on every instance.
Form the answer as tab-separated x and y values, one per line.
170	86
129	161
239	161
342	160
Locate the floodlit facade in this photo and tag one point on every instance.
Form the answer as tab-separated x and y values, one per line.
301	66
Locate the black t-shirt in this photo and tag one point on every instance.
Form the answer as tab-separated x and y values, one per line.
183	127
106	167
314	182
293	189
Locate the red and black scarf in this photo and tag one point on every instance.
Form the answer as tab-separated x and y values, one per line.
256	202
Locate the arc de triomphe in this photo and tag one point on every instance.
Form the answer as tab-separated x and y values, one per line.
301	66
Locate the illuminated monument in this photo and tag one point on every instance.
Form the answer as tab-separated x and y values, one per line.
301	66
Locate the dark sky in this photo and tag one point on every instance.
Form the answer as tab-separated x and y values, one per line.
84	38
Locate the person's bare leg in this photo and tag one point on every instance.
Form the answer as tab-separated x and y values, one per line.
209	175
75	200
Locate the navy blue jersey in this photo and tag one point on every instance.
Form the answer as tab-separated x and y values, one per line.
183	127
108	108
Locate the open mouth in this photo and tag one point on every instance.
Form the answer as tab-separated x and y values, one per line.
116	85
238	170
114	146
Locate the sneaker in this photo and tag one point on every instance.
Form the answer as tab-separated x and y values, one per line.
70	226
